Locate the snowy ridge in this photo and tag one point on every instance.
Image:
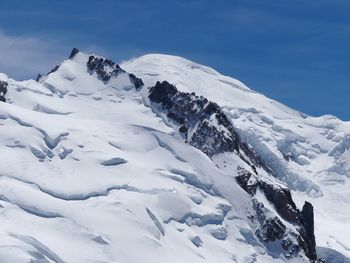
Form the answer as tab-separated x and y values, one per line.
91	166
309	154
204	125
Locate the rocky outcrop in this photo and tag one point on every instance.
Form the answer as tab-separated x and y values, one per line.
307	232
138	83
271	231
105	69
73	53
270	227
247	181
282	200
203	124
3	90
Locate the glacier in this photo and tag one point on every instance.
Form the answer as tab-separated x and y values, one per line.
94	169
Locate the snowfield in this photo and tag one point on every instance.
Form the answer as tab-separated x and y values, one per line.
317	148
90	172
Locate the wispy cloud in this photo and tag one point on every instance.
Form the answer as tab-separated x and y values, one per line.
24	57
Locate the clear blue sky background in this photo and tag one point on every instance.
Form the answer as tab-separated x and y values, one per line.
295	51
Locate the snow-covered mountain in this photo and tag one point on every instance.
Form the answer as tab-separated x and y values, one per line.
160	159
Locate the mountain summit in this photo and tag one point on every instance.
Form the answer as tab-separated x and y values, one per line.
160	159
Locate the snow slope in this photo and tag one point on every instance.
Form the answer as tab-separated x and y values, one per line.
90	173
310	154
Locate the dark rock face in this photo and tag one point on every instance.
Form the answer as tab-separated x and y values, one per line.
204	125
304	220
54	69
73	53
104	68
247	181
282	200
39	77
308	238
162	92
3	90
210	141
279	196
138	83
211	131
271	228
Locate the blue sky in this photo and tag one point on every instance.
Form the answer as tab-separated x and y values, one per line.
295	51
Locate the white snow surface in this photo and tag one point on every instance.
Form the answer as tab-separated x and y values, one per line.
318	147
89	173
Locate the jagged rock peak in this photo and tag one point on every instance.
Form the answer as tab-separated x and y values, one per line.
106	69
73	53
103	67
3	90
202	122
282	200
307	215
204	125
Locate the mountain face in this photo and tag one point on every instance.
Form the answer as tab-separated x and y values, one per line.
204	126
159	159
